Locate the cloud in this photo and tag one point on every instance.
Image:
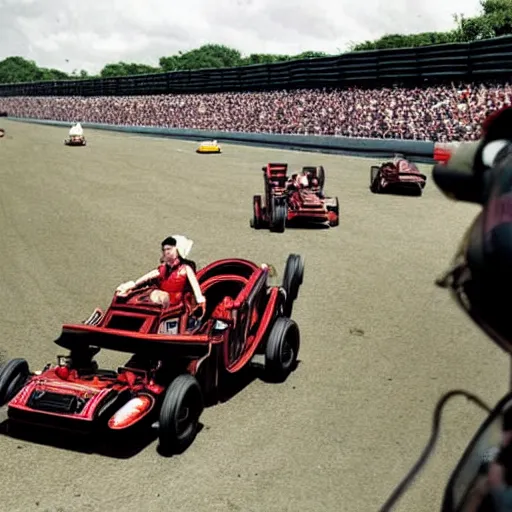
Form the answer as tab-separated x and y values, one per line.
92	34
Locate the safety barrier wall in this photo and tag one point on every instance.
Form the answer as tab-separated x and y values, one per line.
419	151
458	61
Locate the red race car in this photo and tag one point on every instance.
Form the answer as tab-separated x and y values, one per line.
177	365
294	199
397	176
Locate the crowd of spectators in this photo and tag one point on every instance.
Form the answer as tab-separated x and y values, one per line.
443	113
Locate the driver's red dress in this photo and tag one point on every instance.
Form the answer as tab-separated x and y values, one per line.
173	281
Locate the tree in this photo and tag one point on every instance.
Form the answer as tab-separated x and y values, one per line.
473	29
206	56
498	15
126	69
495	20
18	69
392	41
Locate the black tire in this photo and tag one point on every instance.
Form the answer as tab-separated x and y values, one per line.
184	395
320	174
279	215
282	350
293	278
12	378
374	173
256	206
336	210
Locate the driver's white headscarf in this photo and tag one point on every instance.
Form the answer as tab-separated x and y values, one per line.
76	130
183	245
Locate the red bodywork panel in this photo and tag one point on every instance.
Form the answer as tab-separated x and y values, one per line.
93	390
306	203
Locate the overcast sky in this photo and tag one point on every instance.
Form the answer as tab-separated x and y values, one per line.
90	34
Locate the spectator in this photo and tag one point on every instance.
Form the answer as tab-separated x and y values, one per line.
441	113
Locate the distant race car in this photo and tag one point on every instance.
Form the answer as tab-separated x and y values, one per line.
398	175
2	132
76	136
298	198
177	364
76	140
210	146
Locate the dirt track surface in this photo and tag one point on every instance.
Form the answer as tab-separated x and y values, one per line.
380	343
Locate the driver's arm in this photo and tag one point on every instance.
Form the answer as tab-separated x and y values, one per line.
476	495
200	299
130	285
147	277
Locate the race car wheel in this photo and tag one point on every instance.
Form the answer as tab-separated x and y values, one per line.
374	173
179	416
335	209
12	378
292	279
282	350
279	215
256	221
320	175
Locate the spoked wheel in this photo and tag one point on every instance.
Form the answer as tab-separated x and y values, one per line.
12	378
282	350
179	417
292	280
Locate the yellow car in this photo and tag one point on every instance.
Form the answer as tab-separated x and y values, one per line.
210	146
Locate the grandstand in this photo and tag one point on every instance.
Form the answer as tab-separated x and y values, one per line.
433	93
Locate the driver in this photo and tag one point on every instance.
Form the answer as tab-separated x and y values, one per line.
297	181
171	277
76	131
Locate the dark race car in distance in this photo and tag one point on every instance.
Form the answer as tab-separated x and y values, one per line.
398	176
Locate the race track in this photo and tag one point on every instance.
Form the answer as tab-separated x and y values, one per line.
380	343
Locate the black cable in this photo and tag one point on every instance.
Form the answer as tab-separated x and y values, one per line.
436	421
